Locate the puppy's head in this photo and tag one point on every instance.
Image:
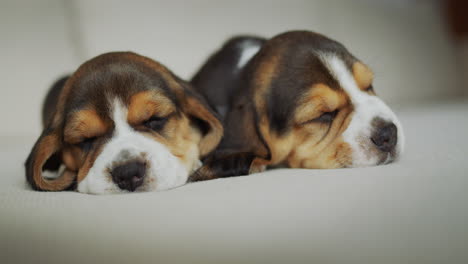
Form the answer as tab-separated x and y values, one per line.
123	122
316	106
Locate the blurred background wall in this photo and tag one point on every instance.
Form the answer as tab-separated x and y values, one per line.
408	43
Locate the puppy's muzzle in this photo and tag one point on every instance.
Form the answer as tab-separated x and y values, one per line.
385	137
129	176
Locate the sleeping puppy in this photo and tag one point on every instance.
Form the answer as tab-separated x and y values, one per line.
121	123
299	100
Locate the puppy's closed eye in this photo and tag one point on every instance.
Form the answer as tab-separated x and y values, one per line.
326	117
156	123
370	88
86	144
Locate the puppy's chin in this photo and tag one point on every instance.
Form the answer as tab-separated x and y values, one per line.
164	171
370	158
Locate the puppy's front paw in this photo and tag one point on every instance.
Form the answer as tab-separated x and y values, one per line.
257	166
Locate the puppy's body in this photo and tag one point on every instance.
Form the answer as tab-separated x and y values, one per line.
51	101
301	101
218	78
222	80
122	122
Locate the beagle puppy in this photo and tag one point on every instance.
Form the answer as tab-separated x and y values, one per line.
299	100
121	123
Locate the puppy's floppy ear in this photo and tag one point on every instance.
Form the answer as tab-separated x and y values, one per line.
46	152
205	117
46	155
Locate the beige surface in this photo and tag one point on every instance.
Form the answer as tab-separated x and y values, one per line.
414	211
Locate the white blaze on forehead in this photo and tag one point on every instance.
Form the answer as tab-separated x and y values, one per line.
248	50
366	108
120	119
165	171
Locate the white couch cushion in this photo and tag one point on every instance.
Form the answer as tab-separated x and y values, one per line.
413	211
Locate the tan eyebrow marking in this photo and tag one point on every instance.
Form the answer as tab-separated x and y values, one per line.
363	75
144	105
320	98
84	124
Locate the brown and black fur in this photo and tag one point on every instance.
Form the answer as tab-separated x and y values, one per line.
220	71
116	74
278	75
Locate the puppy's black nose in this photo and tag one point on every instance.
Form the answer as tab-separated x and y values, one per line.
385	137
129	176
